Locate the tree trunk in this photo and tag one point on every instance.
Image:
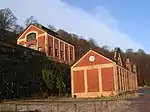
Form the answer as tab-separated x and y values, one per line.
59	90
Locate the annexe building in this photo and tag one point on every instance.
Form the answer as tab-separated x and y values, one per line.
95	75
40	38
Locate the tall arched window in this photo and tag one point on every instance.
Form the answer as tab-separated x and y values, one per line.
31	36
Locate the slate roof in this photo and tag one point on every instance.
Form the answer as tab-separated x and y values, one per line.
53	33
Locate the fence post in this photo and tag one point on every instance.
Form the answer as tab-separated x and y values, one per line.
27	107
94	107
110	106
57	107
100	106
16	107
106	107
2	105
75	106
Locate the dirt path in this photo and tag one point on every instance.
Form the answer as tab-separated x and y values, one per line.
111	106
139	104
142	103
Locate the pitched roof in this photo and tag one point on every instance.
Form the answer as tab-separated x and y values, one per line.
53	33
77	61
131	63
116	56
110	55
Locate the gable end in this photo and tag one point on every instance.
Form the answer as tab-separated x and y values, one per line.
94	53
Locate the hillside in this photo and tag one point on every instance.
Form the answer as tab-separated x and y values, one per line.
140	58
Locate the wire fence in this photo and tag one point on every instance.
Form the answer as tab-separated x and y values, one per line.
79	105
94	106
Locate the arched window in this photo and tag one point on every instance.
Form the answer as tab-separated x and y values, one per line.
31	36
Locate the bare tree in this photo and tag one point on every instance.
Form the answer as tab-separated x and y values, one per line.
129	51
92	43
105	47
30	20
7	19
51	27
18	29
141	51
7	23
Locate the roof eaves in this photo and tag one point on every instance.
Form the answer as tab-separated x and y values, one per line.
50	32
24	30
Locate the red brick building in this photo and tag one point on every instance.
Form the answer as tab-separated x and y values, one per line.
40	38
96	75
